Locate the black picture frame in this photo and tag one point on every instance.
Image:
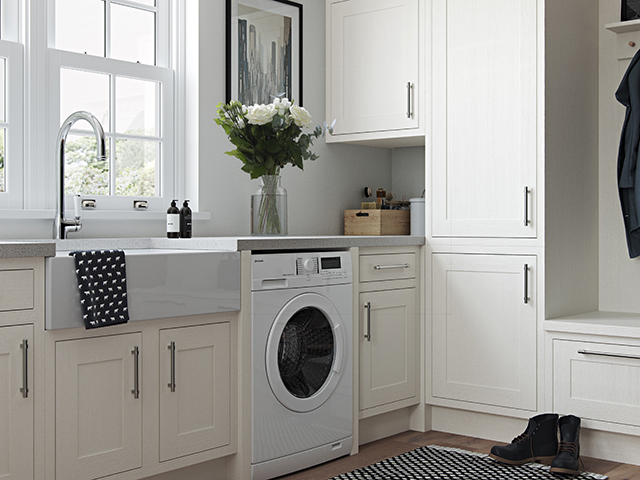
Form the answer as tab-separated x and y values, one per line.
630	10
248	21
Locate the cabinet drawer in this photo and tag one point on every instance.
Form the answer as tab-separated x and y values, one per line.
598	381
395	266
16	290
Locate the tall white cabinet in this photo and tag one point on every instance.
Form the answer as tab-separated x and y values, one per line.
511	170
484	140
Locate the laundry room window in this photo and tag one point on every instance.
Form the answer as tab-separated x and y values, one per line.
306	352
112	59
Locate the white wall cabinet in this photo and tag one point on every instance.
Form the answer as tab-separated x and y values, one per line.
484	329
16	403
485	105
98	406
194	389
389	331
374	81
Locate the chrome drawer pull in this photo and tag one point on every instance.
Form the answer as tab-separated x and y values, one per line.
368	334
606	354
25	369
409	92
384	267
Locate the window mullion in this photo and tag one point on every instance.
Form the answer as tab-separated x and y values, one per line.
107	28
112	131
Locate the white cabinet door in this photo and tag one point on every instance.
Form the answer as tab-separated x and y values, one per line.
374	65
16	403
194	389
98	406
388	348
484	334
598	381
484	118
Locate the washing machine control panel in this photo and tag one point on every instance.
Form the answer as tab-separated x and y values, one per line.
284	270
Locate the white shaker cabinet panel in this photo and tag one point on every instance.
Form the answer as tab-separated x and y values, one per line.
484	329
98	406
598	381
373	77
16	403
388	347
194	389
484	118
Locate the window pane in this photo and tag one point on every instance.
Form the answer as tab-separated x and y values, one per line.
136	167
80	26
84	173
136	106
133	34
80	90
2	165
3	91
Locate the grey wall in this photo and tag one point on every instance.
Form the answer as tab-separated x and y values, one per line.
319	194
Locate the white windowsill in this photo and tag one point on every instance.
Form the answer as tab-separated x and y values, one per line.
94	215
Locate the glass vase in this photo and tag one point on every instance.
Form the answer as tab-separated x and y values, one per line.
269	208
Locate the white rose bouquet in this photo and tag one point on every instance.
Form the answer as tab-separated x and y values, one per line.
268	137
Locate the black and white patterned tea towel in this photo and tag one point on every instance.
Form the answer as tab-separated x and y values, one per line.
102	280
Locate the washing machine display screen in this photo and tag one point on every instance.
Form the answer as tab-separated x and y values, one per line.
305	352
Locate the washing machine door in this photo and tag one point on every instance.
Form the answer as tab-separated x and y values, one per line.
305	352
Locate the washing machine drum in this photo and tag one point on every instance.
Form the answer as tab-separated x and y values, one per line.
304	353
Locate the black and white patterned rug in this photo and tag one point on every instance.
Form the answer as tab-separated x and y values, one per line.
442	463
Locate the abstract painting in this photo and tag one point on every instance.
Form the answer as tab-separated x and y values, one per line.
264	51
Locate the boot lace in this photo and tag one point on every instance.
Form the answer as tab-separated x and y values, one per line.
520	438
571	447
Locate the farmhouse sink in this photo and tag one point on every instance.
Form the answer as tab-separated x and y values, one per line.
161	283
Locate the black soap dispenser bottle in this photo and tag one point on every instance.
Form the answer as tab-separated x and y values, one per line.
173	221
185	220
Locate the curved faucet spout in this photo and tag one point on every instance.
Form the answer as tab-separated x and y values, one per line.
62	225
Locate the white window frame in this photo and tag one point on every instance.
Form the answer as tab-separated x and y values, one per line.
165	176
162	73
12	197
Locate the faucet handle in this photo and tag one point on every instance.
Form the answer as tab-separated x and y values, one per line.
76	205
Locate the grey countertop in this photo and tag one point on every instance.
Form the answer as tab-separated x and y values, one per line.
47	248
27	248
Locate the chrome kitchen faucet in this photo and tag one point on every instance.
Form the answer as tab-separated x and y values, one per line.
62	225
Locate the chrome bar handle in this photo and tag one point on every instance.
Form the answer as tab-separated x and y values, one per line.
25	368
409	92
606	354
136	373
172	383
526	206
384	267
368	334
526	283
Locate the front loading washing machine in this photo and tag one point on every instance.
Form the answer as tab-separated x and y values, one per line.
302	379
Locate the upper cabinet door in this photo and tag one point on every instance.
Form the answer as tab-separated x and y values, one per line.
374	46
484	140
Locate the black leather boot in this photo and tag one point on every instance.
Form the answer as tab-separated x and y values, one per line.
539	442
568	458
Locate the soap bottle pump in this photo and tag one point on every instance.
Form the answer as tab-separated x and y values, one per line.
185	220
173	221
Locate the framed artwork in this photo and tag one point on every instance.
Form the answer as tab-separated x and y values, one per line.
264	51
630	10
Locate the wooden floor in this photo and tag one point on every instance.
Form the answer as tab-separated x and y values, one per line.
401	443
